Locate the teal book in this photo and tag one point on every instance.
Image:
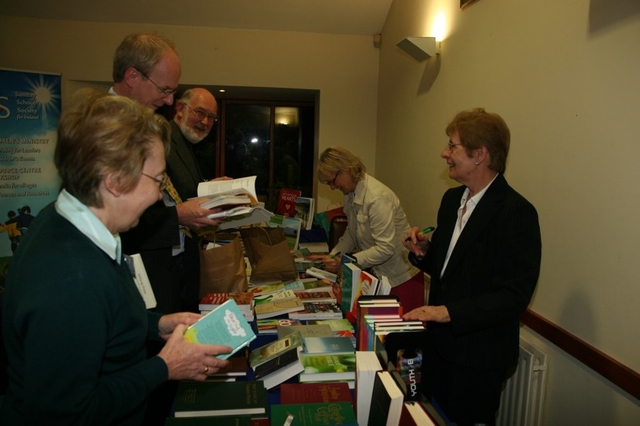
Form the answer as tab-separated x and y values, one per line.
202	399
225	325
314	414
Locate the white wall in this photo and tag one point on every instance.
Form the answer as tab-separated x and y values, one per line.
343	68
564	75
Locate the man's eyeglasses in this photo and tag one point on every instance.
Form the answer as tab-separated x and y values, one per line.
332	182
165	91
162	182
201	114
451	146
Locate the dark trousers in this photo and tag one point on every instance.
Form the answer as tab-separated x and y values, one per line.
467	396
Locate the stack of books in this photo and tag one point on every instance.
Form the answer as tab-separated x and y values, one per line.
277	361
244	300
277	303
328	359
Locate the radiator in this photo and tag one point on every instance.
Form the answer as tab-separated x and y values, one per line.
522	399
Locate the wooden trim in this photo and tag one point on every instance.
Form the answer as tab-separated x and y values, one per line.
617	373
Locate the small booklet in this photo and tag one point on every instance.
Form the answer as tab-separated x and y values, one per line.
225	325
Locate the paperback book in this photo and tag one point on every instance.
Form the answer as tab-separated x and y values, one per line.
272	349
328	367
315	311
224	325
367	365
278	307
287	202
386	400
314	330
305	210
291	227
279	369
270	325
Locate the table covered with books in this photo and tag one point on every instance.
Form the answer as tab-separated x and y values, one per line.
320	349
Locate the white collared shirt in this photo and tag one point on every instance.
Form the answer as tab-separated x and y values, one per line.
462	220
88	223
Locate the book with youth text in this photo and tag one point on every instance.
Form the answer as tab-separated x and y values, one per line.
225	325
201	399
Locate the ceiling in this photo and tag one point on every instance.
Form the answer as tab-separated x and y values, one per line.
346	17
351	17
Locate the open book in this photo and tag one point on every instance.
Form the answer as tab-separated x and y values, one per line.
233	196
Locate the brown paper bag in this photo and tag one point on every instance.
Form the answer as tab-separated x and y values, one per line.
269	254
222	268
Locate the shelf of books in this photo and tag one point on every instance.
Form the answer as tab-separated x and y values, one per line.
312	351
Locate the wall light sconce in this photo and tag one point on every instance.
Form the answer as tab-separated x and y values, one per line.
420	48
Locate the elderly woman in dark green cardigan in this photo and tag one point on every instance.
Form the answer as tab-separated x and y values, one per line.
74	323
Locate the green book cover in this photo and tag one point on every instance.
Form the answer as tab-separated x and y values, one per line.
224	325
314	414
201	399
324	367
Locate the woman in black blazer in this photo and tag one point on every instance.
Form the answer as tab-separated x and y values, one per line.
484	262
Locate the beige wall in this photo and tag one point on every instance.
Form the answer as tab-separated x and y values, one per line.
564	75
343	68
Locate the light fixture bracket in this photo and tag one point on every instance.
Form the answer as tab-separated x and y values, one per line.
419	48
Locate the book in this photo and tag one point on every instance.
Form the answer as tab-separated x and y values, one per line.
386	400
287	202
198	399
314	311
279	369
384	287
369	283
328	345
367	365
313	330
270	325
341	327
244	185
414	413
305	209
237	367
267	288
225	325
234	211
261	299
256	215
322	274
310	285
291	227
278	307
350	281
272	349
227	201
140	277
315	246
299	393
207	421
244	300
328	367
316	296
314	414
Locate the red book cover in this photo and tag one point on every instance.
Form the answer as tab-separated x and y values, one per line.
287	202
300	393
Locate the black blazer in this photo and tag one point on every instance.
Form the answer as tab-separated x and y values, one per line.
490	277
182	165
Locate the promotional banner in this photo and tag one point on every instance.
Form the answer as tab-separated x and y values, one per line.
29	115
